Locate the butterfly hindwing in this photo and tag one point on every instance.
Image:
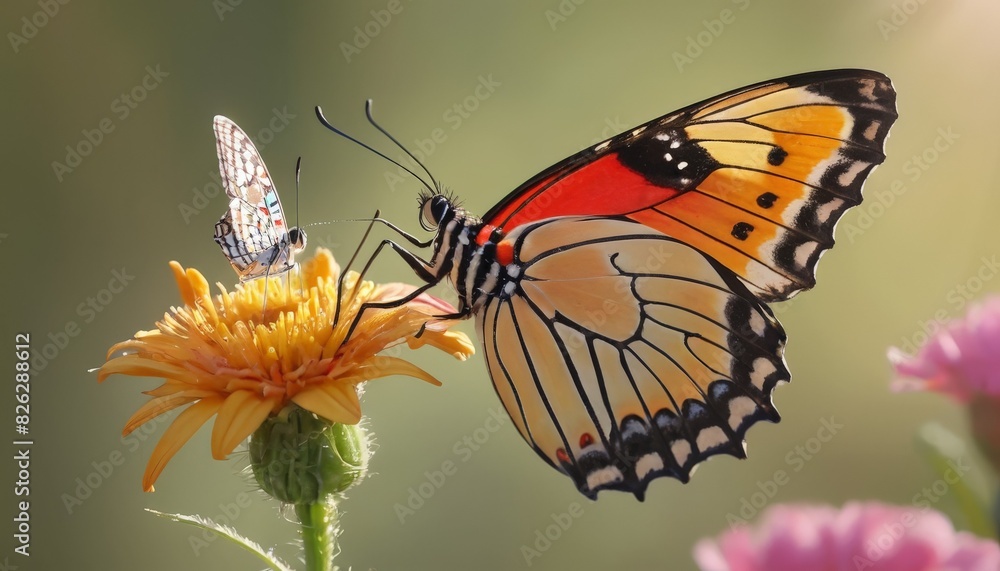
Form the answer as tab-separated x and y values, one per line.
756	178
623	355
252	233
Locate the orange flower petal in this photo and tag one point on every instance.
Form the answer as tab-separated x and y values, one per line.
334	402
239	416
221	355
177	434
384	366
155	408
139	366
187	293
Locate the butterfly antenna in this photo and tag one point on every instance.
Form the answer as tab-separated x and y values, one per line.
340	280
322	119
298	169
371	119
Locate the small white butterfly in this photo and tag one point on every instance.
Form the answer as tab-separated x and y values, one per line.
253	233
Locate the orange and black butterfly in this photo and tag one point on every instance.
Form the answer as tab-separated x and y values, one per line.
620	295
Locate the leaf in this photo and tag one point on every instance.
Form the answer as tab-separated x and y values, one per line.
943	450
228	533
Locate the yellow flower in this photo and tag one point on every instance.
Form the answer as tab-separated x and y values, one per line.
224	358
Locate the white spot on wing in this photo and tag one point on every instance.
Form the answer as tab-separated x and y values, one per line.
739	409
711	437
681	449
762	367
826	210
847	177
803	252
682	165
872	130
668	156
867	89
757	324
647	464
604	476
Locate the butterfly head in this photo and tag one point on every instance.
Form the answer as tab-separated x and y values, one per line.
297	240
434	209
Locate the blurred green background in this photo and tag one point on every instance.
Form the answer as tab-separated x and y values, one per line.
565	74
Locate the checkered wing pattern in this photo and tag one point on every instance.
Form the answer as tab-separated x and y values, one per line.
252	233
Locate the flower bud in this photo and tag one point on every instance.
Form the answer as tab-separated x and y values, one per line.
301	458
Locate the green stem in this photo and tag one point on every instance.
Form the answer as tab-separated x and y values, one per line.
319	533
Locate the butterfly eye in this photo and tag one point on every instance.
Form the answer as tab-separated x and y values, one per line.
298	239
432	211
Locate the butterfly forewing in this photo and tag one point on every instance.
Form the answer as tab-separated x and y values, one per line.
756	178
252	233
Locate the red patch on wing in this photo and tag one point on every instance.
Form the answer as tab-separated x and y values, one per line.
505	253
484	234
603	187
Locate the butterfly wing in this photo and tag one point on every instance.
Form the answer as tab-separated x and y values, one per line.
252	234
756	178
623	354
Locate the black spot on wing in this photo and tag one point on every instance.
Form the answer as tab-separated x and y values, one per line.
766	200
742	230
668	158
777	156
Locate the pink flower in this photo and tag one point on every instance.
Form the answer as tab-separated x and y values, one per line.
860	536
961	359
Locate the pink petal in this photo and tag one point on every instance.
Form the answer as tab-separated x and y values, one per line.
960	359
867	535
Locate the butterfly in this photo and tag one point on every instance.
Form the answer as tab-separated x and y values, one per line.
252	233
621	295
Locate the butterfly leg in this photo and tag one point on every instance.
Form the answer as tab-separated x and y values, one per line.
421	267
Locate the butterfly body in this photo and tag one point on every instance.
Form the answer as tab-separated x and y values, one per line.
252	233
620	295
